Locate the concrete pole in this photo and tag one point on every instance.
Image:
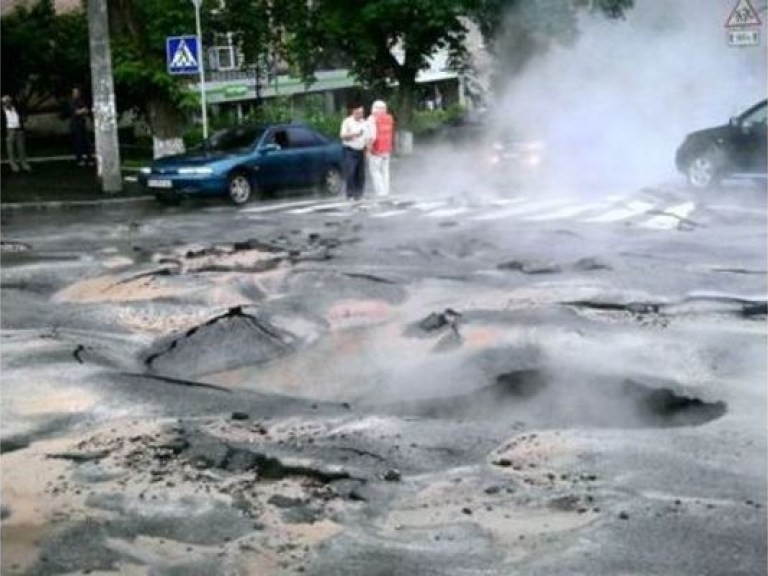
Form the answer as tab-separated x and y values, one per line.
201	65
104	109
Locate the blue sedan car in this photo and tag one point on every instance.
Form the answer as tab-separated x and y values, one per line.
248	161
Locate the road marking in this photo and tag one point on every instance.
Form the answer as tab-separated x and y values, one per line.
317	207
622	213
566	212
742	209
428	206
388	213
276	207
600	211
447	212
520	210
671	216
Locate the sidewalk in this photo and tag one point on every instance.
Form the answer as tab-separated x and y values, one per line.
54	181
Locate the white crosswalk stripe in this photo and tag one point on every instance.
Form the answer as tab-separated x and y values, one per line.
622	212
566	212
670	217
326	206
389	213
642	213
447	212
260	208
516	210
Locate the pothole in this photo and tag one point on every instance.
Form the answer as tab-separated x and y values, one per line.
540	399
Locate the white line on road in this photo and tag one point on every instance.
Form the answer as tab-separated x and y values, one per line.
317	207
566	212
388	213
520	210
281	206
671	216
622	213
447	212
428	206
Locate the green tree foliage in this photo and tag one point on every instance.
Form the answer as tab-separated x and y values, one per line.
250	24
385	43
391	41
44	54
269	33
139	29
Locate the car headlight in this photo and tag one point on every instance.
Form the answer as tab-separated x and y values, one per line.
201	170
145	170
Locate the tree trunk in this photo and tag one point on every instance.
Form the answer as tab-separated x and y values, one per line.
405	105
406	94
166	124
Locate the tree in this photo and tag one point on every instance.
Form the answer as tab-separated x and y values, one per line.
267	33
139	29
250	24
44	53
389	41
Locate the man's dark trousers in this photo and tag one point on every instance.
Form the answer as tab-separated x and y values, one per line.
354	172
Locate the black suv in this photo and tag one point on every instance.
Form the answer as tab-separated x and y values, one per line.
735	150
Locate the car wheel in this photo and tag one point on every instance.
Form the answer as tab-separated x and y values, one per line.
239	188
332	182
704	169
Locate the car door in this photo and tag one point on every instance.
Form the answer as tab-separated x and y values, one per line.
752	140
278	164
310	147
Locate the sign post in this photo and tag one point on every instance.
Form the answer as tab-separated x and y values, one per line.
184	56
743	25
197	4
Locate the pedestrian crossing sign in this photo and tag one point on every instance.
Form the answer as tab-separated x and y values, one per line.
182	54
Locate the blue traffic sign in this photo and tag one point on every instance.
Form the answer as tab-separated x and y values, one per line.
182	54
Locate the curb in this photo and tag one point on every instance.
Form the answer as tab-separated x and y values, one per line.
73	203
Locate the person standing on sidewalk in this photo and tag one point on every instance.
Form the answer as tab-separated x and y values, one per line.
382	127
13	130
78	128
354	136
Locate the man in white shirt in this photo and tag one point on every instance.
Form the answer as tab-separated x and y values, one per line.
13	129
354	136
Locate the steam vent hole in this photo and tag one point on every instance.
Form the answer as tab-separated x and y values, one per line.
539	399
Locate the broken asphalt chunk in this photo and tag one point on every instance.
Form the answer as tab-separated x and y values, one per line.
80	456
391	475
436	321
280	501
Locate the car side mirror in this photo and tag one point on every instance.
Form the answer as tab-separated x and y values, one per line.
734	121
267	148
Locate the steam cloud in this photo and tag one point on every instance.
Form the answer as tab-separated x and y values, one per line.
613	107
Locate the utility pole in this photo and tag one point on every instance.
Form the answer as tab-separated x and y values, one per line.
103	88
201	66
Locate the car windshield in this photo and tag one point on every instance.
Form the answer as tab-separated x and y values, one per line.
235	139
756	115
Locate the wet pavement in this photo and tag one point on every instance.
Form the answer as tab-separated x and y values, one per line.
511	382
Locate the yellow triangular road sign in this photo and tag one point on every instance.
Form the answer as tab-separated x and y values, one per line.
743	14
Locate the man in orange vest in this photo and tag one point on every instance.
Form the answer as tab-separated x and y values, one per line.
382	128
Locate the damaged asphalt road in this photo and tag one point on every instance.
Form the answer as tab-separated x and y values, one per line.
373	390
